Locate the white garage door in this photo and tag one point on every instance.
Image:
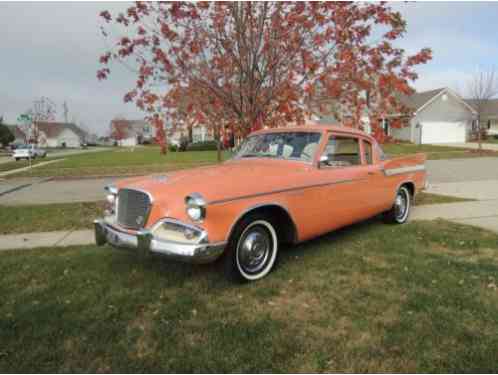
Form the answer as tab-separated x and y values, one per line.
443	132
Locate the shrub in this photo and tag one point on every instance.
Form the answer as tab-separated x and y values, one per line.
203	146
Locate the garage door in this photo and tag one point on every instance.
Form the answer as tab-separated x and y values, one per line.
443	132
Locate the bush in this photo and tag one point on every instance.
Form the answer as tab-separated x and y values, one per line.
203	146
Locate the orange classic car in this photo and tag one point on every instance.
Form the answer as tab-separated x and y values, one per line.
283	186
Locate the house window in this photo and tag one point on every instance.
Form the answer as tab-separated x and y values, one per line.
385	126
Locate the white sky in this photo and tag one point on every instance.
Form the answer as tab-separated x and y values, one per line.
52	49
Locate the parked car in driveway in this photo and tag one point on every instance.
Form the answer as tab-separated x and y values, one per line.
283	186
28	152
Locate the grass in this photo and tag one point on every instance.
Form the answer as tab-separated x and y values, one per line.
146	160
50	217
429	198
434	152
423	301
123	161
8	166
65	216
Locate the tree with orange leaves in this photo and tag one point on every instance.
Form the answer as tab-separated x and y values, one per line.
261	62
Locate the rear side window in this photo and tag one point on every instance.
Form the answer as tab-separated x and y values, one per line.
343	151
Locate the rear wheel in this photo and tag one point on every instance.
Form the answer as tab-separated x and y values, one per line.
400	210
17	159
252	249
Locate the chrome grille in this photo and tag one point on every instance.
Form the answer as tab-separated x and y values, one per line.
133	208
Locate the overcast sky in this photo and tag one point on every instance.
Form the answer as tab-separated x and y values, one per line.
52	49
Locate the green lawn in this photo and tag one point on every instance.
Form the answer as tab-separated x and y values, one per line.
49	217
8	166
123	161
434	152
64	216
371	298
145	160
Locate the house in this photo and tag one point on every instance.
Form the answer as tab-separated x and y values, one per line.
435	116
129	133
58	134
19	135
488	115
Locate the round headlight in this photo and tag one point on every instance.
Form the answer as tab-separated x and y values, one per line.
194	212
111	198
196	207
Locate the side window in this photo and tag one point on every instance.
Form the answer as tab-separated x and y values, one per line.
342	151
367	148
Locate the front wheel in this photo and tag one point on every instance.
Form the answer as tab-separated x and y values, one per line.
252	249
400	210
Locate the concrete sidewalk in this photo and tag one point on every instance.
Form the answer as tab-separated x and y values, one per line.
46	239
482	214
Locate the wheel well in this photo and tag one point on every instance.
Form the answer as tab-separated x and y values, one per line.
284	225
410	186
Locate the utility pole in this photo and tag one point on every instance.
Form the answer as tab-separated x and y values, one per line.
66	111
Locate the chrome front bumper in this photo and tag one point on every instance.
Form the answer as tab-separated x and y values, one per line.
145	242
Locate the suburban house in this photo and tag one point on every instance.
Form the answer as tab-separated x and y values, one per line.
19	135
59	134
489	115
435	116
130	133
200	133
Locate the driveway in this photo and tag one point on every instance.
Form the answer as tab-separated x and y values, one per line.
475	178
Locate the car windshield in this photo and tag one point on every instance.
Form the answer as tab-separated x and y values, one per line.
23	147
281	145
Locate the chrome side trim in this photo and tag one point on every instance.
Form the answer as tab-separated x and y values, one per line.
401	170
221	201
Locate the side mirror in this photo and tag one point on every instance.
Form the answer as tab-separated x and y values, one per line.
324	160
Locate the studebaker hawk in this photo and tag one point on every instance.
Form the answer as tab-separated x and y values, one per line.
283	186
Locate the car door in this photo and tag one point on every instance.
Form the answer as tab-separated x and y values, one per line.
345	192
380	195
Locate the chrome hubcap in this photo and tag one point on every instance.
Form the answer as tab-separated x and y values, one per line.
254	250
400	205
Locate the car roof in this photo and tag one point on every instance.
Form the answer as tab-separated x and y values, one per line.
307	127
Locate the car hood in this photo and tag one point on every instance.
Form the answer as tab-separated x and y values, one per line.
229	180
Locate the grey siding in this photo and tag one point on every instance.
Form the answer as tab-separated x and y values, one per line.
449	110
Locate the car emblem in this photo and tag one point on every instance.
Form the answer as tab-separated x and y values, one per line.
139	220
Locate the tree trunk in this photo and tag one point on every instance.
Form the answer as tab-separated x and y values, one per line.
218	143
479	140
190	133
